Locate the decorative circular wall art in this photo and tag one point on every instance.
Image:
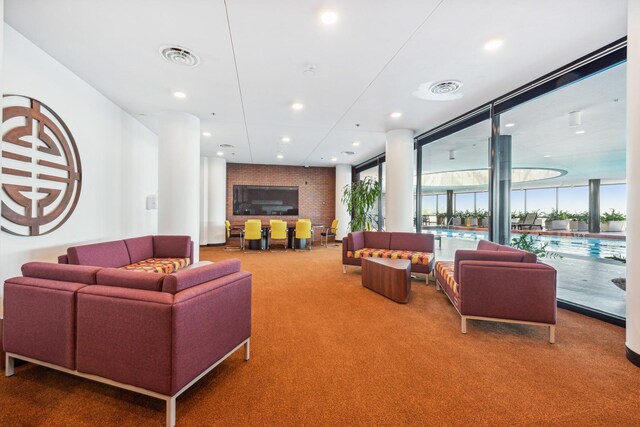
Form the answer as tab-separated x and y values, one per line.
41	172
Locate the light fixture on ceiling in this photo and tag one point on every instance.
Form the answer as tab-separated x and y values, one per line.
280	156
580	132
493	44
334	159
179	55
179	95
575	118
309	70
355	143
452	154
395	115
328	17
286	139
297	106
546	156
509	125
206	133
220	153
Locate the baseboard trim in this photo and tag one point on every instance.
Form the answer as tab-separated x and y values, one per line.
213	244
633	356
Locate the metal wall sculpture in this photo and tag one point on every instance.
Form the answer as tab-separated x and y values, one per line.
41	172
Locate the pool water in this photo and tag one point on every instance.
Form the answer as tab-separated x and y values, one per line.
582	246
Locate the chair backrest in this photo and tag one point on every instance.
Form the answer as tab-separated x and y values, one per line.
303	229
304	219
255	220
334	226
252	230
530	219
278	229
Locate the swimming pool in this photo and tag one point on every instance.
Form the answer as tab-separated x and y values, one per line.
582	246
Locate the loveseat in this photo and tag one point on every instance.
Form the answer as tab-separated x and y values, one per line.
500	283
417	247
152	333
160	254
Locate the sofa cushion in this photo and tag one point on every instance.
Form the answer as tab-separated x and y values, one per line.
130	279
64	272
377	239
526	256
416	242
423	258
171	246
485	245
159	265
184	279
139	248
107	254
445	269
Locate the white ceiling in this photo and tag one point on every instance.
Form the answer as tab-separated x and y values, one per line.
367	64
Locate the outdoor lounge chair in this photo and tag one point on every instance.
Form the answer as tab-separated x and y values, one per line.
529	222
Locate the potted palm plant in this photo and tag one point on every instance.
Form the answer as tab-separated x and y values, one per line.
557	220
360	198
613	221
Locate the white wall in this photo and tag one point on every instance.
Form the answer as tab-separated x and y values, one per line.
119	158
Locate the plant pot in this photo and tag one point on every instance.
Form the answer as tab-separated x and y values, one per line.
616	225
457	221
472	222
557	224
604	226
578	225
485	222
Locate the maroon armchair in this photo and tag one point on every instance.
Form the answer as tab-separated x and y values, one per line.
500	283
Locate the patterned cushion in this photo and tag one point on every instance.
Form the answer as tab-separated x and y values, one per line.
445	270
416	257
159	265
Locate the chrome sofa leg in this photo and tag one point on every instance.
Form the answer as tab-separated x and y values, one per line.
247	349
463	324
171	411
9	366
437	285
344	269
552	334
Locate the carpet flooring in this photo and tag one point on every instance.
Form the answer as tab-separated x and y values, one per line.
326	351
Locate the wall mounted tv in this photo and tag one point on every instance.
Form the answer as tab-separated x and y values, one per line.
264	200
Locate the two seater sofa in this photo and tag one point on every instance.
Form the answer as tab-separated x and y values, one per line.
417	247
160	254
155	334
500	283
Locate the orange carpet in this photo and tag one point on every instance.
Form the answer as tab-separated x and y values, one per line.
326	351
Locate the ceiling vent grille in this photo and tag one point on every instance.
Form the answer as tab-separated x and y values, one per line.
445	87
179	55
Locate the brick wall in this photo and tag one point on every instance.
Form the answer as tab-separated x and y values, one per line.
316	188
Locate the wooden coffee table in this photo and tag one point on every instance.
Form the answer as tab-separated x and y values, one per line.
388	277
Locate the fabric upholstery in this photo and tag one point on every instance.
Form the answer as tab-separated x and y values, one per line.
356	240
303	229
139	248
126	335
416	242
377	239
130	279
63	272
485	255
415	257
159	265
184	279
63	259
40	319
172	247
106	254
445	276
485	245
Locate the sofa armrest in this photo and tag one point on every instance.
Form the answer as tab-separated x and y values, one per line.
482	255
63	272
40	319
125	335
172	247
508	290
209	320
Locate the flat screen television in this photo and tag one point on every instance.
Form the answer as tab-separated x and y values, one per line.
264	200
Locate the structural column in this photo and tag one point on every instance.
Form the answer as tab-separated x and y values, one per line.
449	206
179	180
633	182
343	178
500	189
217	200
594	206
399	181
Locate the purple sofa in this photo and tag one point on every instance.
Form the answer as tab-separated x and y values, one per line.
500	283
417	247
161	254
155	334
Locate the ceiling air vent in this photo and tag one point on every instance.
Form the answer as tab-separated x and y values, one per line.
447	86
348	153
225	146
179	55
445	90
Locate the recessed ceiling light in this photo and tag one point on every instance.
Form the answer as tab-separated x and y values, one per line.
355	143
285	139
546	156
493	44
180	95
297	106
396	115
280	156
509	125
580	132
206	133
328	17
220	153
334	159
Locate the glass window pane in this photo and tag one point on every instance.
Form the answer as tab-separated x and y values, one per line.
573	199
542	200
613	197
464	202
